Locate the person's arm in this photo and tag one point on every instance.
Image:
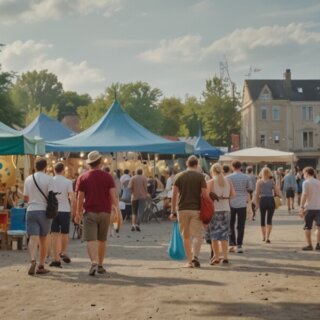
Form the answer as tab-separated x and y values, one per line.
303	201
73	203
257	194
114	198
174	201
276	190
232	191
79	206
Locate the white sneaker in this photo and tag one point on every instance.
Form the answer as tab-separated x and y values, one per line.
239	249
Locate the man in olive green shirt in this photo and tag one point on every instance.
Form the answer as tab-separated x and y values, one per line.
188	188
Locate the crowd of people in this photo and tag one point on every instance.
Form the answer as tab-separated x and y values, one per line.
90	199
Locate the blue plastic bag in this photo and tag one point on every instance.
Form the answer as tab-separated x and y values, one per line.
176	247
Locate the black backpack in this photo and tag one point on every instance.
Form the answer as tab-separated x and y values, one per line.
52	202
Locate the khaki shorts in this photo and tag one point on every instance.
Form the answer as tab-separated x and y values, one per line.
190	223
95	226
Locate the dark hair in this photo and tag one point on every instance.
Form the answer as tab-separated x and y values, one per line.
226	168
236	164
192	161
249	169
309	171
41	164
106	169
59	167
95	164
139	171
126	171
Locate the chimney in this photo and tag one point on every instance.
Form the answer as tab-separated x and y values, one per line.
287	78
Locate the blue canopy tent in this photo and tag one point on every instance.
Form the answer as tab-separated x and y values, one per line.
116	131
205	149
14	142
47	128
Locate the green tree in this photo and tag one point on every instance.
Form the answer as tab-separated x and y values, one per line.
35	89
189	121
50	112
220	115
70	101
9	113
171	110
138	99
90	114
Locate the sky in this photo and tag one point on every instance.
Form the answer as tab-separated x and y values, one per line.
174	45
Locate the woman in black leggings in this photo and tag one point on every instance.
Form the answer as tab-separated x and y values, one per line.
264	197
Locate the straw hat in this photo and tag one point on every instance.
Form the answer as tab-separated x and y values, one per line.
93	156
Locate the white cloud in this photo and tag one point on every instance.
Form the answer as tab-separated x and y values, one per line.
30	11
200	6
237	45
185	48
30	55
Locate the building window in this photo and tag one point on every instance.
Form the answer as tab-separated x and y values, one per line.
263	113
276	137
275	113
263	142
307	113
307	139
265	95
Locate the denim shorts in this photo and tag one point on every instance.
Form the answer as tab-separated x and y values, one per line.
310	216
38	224
61	223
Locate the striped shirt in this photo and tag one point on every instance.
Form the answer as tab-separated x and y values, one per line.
242	184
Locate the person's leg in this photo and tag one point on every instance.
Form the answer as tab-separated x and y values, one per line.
56	240
134	213
232	234
92	248
270	212
196	233
242	213
184	226
308	218
102	248
216	250
103	227
49	245
33	247
141	208
318	235
224	246
43	250
263	210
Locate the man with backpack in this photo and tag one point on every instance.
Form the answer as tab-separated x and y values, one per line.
36	192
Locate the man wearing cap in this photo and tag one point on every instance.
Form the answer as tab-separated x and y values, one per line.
96	195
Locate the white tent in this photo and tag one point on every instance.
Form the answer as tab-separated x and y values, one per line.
257	155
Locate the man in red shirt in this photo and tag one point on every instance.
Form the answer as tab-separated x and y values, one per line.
96	195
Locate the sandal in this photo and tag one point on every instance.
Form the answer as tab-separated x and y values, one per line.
93	269
188	265
41	270
101	270
214	261
32	268
225	261
65	258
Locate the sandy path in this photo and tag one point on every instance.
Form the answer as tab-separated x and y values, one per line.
276	281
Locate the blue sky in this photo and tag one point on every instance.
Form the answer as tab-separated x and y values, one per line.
174	45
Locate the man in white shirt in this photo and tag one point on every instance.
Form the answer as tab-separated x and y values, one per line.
38	225
61	223
310	206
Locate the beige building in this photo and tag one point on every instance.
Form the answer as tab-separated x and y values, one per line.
283	115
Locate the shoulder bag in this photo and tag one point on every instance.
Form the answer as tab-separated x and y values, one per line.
206	209
52	201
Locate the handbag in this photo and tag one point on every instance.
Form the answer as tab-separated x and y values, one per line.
277	201
176	247
52	201
206	209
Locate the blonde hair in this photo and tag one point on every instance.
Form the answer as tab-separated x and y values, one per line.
265	174
217	170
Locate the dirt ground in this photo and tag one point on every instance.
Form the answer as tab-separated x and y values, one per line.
268	281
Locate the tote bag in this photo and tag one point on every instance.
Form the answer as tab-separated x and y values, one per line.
176	247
